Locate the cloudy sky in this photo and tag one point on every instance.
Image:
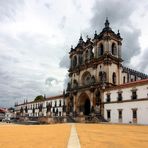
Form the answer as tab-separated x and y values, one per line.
36	36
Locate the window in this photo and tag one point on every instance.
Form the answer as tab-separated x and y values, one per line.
55	103
119	96
100	76
120	114
134	94
114	49
80	59
86	55
134	115
91	54
74	61
101	49
135	78
124	79
114	78
60	103
108	98
108	114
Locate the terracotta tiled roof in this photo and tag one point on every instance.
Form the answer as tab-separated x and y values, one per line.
48	98
130	84
54	97
2	110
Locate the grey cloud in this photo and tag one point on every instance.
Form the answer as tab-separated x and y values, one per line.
66	80
50	80
64	63
23	68
8	9
143	61
118	13
47	5
131	45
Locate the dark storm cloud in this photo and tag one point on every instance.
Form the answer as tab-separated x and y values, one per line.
118	13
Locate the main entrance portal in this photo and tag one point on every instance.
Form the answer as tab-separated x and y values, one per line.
87	107
84	104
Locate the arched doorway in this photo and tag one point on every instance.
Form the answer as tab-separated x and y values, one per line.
87	107
84	104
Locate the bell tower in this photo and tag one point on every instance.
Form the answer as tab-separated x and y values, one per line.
107	46
95	65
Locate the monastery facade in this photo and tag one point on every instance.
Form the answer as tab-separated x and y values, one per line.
96	70
100	86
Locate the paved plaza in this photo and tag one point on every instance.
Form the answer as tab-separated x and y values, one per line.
73	136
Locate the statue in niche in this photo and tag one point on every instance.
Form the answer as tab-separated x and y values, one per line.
91	55
68	86
93	80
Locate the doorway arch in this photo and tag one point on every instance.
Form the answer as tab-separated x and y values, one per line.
84	104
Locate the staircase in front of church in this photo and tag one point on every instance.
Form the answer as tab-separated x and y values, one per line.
95	118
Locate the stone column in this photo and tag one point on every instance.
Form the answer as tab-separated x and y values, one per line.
74	103
91	99
77	59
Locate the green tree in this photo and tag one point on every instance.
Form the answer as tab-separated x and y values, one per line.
39	98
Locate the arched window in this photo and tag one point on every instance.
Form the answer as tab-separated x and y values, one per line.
114	78
80	59
124	79
101	49
100	76
74	61
71	103
114	49
86	55
91	54
104	76
135	78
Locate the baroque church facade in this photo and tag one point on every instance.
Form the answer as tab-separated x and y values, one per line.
100	87
95	66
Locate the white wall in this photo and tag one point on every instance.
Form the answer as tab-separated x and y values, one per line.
44	110
141	106
142	111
